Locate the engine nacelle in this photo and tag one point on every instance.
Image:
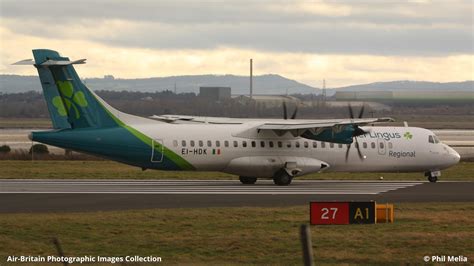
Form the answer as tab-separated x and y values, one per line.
267	166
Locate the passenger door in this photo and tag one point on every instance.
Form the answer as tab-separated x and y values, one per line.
157	151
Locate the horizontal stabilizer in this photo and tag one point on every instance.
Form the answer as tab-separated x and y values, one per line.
51	62
25	62
62	62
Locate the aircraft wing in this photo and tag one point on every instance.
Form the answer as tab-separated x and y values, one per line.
337	130
188	119
322	124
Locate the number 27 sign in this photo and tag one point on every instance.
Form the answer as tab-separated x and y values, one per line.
342	212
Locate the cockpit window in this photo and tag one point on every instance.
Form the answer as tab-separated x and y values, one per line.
433	139
430	139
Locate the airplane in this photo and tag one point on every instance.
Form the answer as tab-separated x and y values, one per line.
278	149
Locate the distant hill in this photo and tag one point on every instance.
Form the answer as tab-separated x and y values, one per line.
407	85
264	84
16	83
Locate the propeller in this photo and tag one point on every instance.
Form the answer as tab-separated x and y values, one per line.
285	112
357	132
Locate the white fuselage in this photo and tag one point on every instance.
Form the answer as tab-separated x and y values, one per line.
210	147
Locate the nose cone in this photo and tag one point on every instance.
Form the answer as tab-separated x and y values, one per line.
454	156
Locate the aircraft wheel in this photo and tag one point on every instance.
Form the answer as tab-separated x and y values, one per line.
432	178
247	180
282	178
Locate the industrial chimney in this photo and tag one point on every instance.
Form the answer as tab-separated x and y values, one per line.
251	79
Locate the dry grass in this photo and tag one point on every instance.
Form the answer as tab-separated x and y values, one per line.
244	235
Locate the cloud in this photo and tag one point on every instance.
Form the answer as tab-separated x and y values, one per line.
345	42
310	68
356	27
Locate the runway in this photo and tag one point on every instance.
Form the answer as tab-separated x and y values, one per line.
194	187
101	195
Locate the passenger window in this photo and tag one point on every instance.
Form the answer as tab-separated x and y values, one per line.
340	146
183	143
356	144
226	143
390	145
315	144
244	144
306	145
218	143
191	143
280	144
236	144
288	145
430	139
381	145
270	144
175	143
331	145
364	145
323	144
262	144
297	144
372	145
254	144
209	143
201	143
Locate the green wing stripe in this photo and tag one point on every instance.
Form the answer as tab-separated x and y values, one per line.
178	160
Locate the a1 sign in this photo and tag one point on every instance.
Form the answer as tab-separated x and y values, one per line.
362	212
342	212
329	213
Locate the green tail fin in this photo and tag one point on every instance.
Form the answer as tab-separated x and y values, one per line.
70	103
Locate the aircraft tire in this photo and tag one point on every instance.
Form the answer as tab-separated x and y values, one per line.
432	178
247	180
282	178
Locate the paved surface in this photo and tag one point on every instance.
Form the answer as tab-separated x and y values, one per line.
94	195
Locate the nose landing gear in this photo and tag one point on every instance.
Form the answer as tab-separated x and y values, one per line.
433	176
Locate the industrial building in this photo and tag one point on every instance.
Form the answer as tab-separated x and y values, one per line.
215	93
268	100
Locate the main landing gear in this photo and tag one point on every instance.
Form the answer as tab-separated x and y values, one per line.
433	176
282	178
247	180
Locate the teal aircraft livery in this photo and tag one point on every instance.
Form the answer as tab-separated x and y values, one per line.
280	149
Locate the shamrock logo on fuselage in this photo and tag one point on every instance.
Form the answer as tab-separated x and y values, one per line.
408	135
72	99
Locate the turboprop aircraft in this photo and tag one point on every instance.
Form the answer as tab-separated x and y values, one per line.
280	149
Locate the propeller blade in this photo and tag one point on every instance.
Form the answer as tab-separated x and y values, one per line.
361	113
351	114
293	116
358	150
347	151
285	115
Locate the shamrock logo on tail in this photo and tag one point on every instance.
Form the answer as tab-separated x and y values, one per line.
72	99
408	135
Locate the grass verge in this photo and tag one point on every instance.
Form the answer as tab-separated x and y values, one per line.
114	170
243	235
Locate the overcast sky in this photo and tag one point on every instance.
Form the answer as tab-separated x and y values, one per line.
344	42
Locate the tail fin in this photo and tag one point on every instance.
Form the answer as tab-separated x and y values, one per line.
70	103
